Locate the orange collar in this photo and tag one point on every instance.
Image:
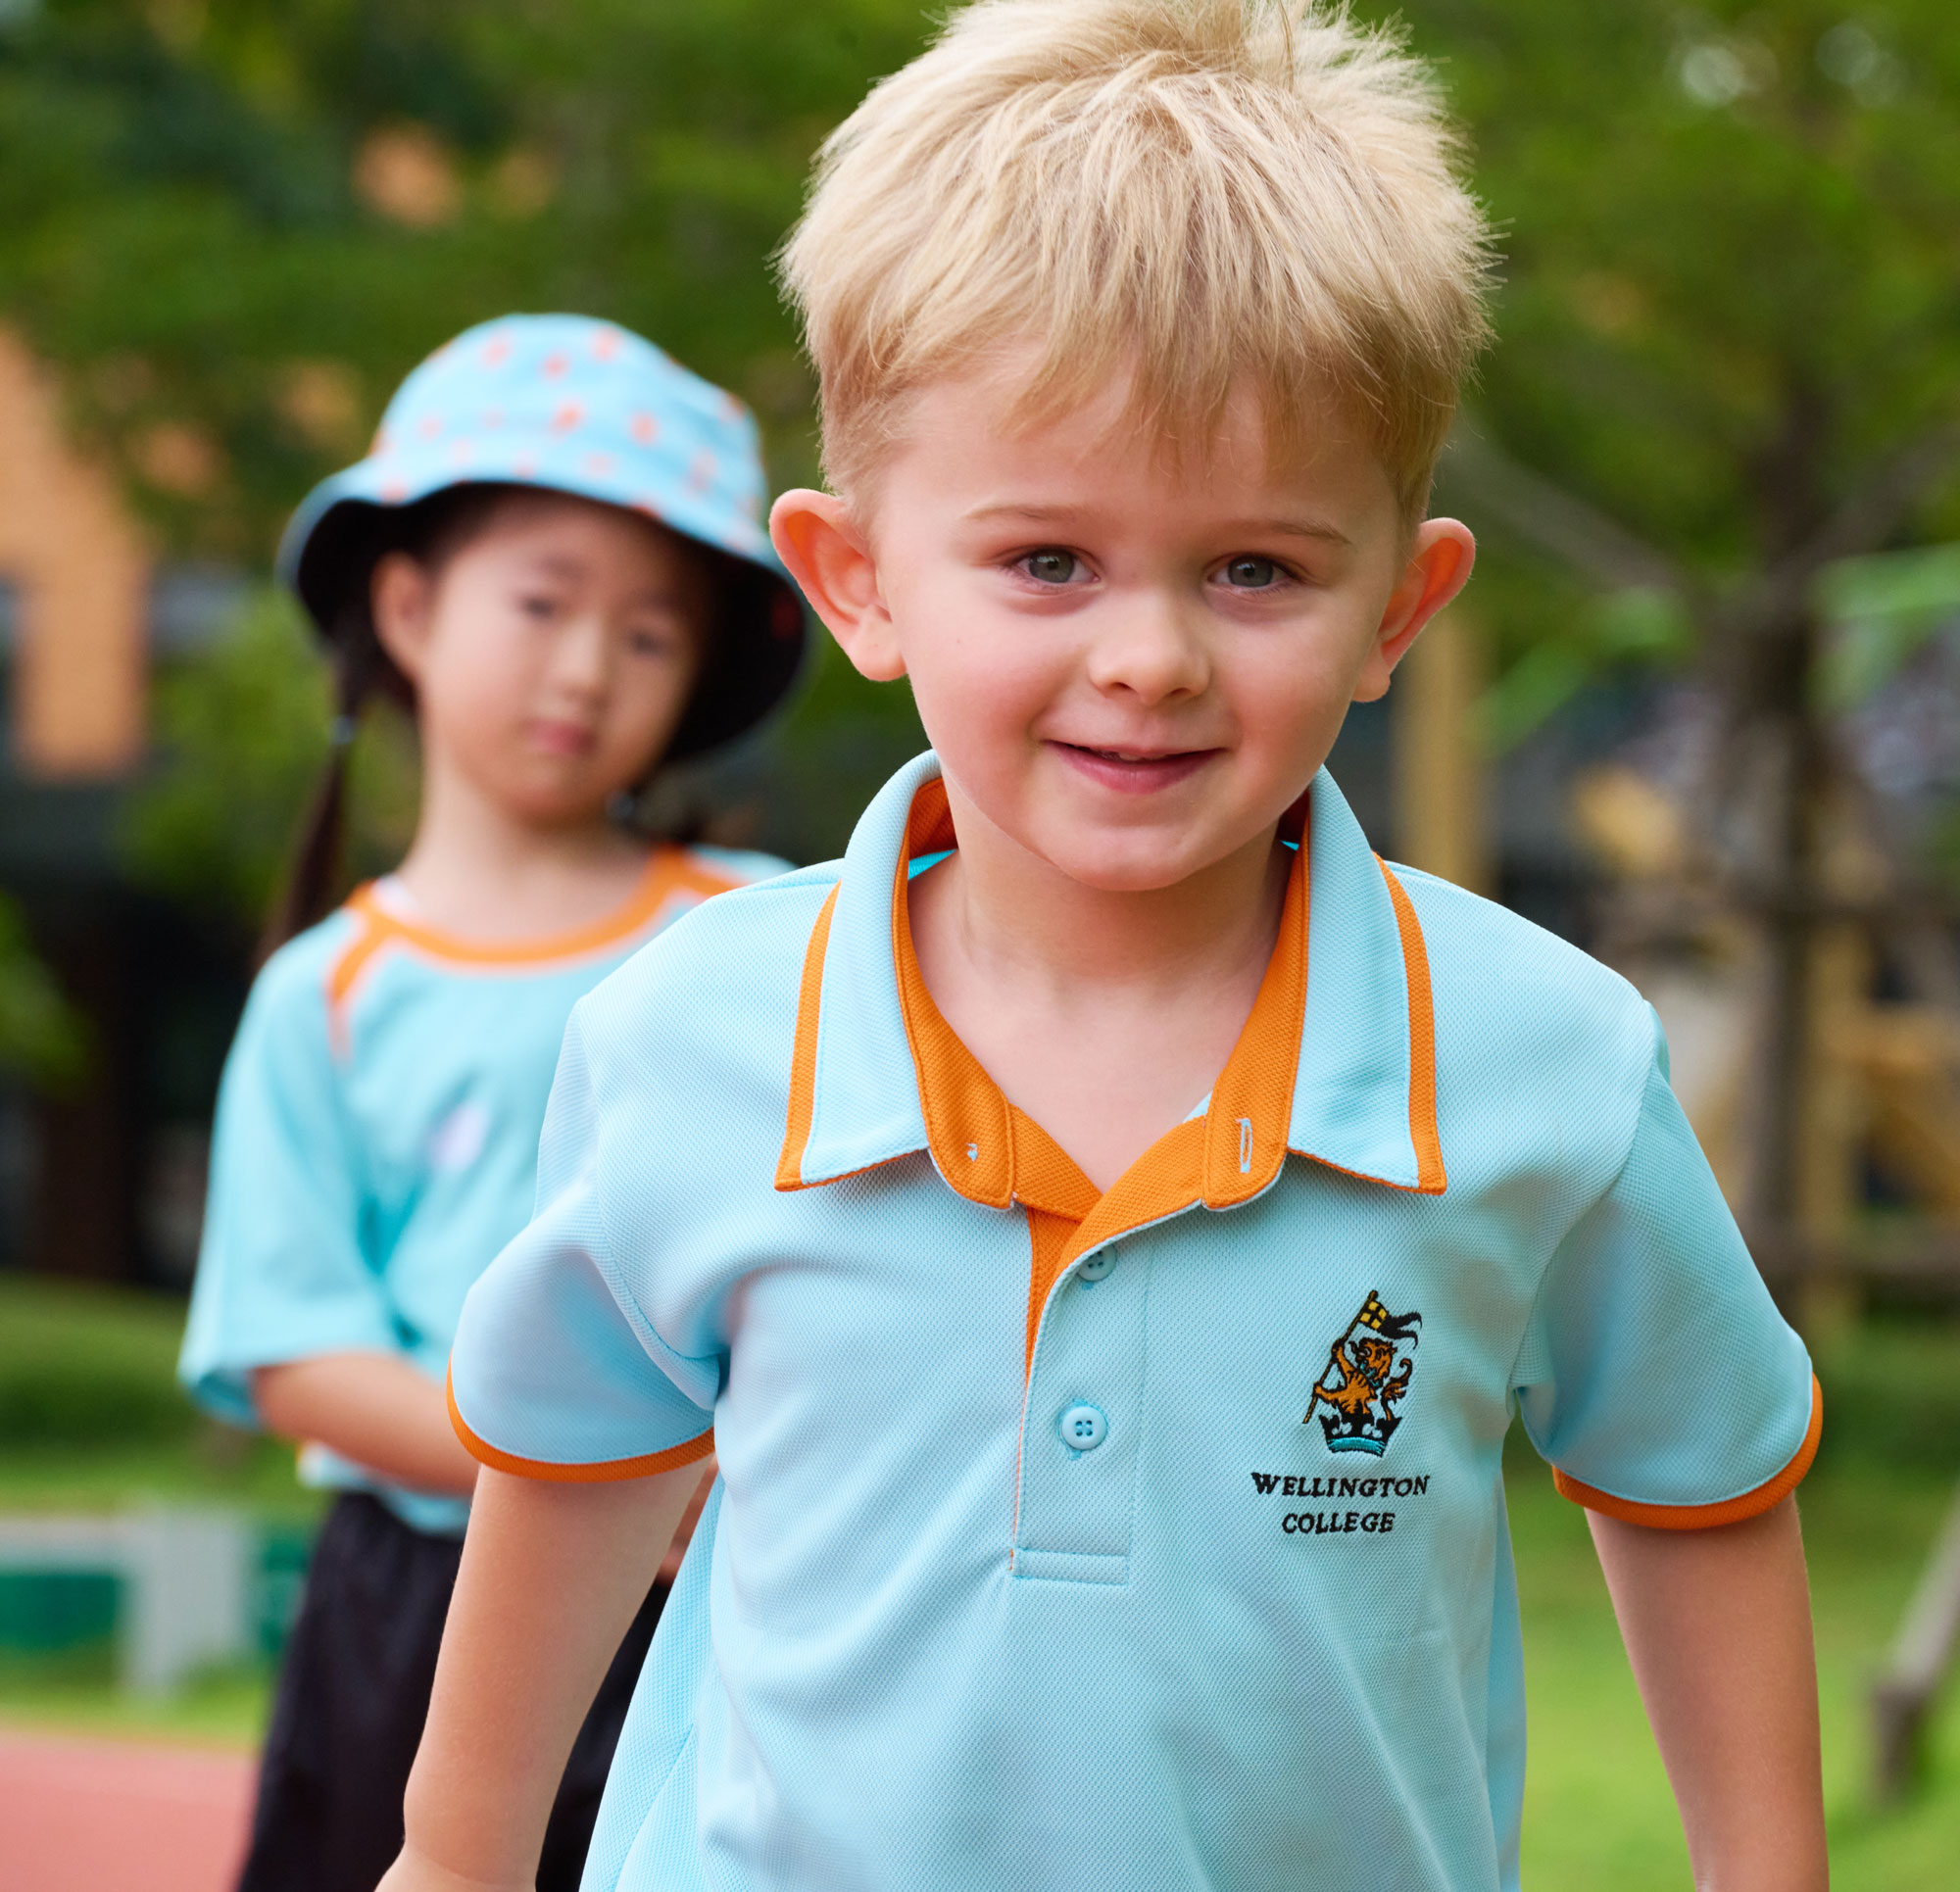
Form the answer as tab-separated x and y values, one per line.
1367	1107
993	1152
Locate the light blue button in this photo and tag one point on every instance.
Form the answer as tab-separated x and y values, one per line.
1083	1429
1096	1266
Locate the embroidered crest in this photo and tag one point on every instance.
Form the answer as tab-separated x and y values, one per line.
1368	1372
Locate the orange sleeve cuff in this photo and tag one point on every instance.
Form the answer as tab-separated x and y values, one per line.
1704	1517
600	1472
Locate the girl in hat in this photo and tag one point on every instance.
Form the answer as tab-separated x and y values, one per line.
553	555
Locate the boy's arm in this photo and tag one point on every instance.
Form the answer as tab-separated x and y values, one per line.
552	1576
377	1409
1717	1626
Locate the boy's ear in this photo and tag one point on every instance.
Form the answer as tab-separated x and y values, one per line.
829	557
1438	568
402	603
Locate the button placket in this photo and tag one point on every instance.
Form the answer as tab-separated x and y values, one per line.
1082	1423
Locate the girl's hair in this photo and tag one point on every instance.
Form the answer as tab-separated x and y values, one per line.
432	531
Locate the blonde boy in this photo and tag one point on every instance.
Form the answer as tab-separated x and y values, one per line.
1107	1224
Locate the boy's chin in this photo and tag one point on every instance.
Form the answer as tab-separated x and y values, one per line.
1129	863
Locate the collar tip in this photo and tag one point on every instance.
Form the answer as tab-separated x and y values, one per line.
1409	1179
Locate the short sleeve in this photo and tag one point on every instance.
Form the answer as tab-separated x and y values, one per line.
1658	1376
555	1373
281	1274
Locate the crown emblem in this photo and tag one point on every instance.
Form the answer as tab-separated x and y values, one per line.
1369	1367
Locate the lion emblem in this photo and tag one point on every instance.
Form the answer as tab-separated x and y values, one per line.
1369	1368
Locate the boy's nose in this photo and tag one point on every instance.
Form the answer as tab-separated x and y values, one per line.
1148	646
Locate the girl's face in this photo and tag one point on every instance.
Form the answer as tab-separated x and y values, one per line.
552	653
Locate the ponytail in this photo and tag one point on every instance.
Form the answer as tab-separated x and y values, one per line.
429	531
315	872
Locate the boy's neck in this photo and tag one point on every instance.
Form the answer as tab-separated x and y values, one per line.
1105	1016
478	869
1023	919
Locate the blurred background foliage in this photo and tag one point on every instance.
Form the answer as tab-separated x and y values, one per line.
1730	298
42	1039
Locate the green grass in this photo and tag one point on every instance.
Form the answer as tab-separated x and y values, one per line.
89	1420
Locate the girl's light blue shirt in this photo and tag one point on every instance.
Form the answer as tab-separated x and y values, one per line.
378	1133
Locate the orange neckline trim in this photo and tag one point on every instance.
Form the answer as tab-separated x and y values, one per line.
1705	1517
670	870
597	1471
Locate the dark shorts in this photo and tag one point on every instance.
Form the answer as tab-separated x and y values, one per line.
352	1697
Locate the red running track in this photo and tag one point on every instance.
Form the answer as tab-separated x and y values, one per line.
80	1816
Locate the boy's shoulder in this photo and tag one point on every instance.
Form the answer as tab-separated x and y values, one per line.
1511	960
1542	1031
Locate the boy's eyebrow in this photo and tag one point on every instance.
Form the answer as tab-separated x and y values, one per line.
1292	528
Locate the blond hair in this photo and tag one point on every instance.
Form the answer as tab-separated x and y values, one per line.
1197	193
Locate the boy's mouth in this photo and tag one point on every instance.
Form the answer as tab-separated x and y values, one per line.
1135	771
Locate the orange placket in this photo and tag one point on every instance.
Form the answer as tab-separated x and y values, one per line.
993	1152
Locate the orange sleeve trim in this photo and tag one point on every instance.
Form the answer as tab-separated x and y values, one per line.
602	1472
1431	1179
1705	1517
802	1057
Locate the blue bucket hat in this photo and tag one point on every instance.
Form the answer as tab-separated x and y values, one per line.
582	407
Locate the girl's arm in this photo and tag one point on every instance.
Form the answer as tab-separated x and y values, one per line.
1717	1626
552	1576
377	1409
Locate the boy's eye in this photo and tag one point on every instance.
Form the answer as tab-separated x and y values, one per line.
537	606
1248	574
1051	566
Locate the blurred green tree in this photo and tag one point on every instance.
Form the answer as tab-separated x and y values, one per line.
1728	323
238	223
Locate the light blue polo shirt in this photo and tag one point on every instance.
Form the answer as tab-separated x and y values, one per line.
377	1132
1149	1539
